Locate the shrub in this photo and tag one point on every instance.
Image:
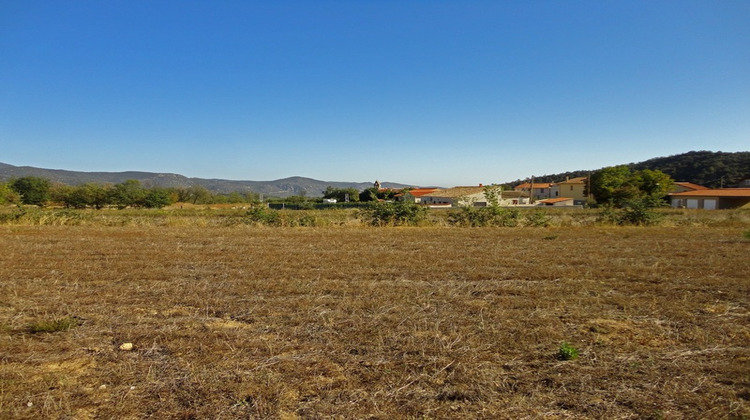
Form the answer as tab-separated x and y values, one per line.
638	212
264	216
395	214
746	234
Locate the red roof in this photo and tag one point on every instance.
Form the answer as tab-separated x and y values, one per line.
722	192
418	192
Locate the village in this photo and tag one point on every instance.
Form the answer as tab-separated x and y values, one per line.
571	193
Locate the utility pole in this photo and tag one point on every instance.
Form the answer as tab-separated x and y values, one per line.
531	191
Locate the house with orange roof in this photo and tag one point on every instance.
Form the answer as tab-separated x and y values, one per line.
712	199
536	190
574	188
414	195
557	202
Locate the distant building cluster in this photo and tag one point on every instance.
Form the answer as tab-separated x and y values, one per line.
569	193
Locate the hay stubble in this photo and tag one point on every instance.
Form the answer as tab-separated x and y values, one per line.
352	322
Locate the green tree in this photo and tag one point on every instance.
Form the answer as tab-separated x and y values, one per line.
341	194
156	198
654	185
618	185
33	190
8	195
492	195
60	193
198	194
612	185
127	194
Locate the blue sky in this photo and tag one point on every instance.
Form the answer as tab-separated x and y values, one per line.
418	92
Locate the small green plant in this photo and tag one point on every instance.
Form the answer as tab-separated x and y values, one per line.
56	325
746	235
567	352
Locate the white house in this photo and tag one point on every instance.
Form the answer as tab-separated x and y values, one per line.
472	196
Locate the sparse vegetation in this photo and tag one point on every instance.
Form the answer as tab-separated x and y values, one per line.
228	320
54	325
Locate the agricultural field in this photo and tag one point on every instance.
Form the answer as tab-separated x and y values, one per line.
193	316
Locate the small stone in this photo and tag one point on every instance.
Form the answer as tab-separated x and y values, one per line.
103	387
29	404
126	346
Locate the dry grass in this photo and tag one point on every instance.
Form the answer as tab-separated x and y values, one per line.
244	322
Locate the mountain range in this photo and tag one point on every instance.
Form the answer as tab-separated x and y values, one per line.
711	169
279	188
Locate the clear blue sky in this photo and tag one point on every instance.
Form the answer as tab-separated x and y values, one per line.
418	92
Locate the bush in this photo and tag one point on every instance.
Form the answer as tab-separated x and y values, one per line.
264	216
471	216
395	214
638	212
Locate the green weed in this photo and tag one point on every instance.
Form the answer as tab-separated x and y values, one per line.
56	325
567	352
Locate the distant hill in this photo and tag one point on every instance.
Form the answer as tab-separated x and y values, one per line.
710	169
279	188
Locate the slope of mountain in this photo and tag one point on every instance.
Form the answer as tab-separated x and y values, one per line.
279	188
710	169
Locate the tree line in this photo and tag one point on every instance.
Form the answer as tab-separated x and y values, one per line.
131	193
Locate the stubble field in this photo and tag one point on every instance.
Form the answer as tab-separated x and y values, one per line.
353	322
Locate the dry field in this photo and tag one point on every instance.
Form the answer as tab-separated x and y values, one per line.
352	322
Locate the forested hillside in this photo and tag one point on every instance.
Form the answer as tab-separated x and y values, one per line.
710	169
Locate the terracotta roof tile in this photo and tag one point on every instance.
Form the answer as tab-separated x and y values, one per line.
721	192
